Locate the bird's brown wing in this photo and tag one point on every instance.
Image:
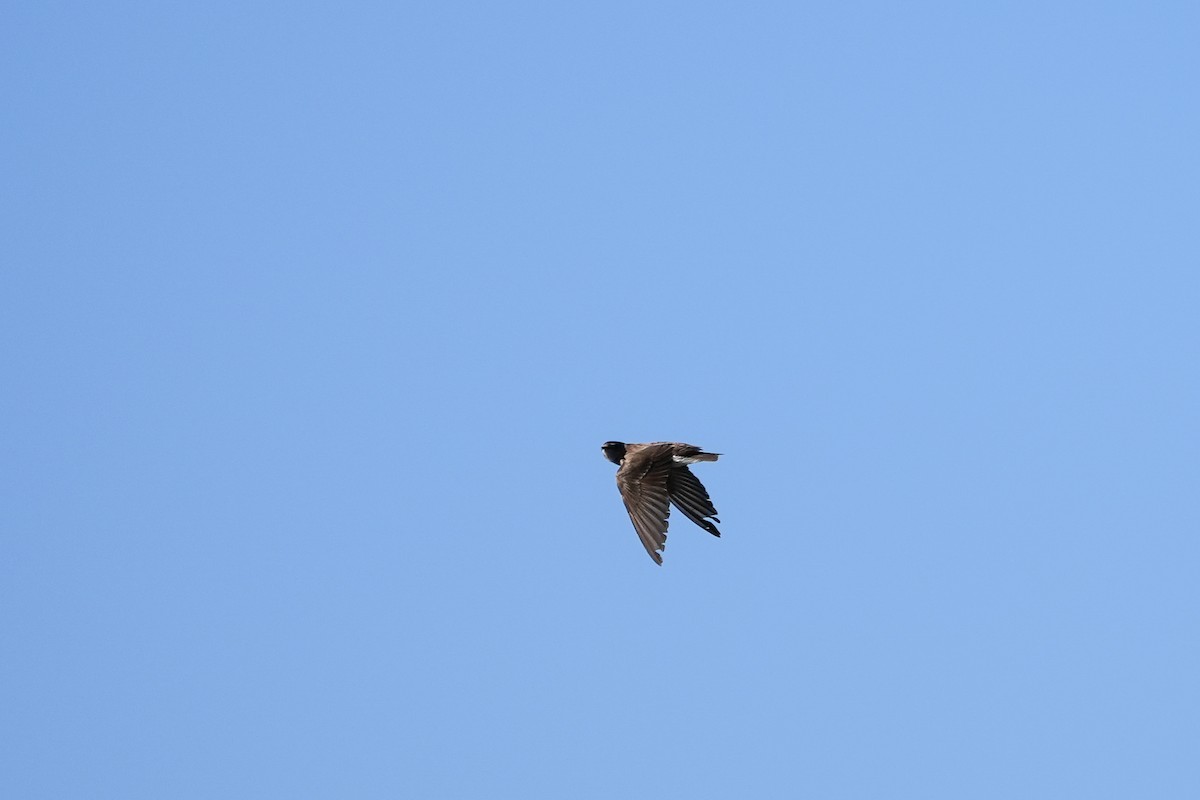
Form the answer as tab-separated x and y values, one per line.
642	480
688	494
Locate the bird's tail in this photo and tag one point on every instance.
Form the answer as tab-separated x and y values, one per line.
703	456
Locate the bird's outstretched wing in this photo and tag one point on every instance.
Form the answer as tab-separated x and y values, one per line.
643	479
688	494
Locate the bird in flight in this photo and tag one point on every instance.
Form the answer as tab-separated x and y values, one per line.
650	476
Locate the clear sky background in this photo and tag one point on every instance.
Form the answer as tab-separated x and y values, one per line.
314	318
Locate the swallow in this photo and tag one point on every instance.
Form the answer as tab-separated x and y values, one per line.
650	476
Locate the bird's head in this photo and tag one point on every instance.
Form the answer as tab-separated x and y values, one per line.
613	451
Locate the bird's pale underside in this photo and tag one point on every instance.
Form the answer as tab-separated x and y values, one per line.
654	476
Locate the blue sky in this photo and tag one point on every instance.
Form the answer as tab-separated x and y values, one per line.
315	316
